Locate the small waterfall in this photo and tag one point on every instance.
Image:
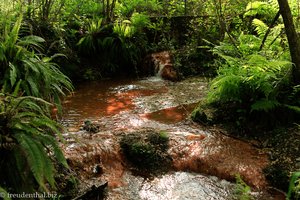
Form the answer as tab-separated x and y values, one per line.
163	66
159	70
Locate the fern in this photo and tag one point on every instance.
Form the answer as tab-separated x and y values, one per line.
294	186
21	61
264	105
225	87
4	194
124	29
88	42
265	10
260	27
34	157
25	121
13	74
139	21
250	80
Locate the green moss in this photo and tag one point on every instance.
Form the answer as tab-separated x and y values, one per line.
146	151
159	140
203	114
242	190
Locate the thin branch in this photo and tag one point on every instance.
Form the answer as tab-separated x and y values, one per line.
269	30
281	32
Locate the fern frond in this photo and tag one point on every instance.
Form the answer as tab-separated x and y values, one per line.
256	60
253	6
293	108
264	105
32	103
34	157
248	44
26	114
48	168
49	59
278	65
260	27
34	89
295	176
24	126
13	36
32	41
12	74
225	88
32	64
4	194
17	88
261	8
48	140
46	122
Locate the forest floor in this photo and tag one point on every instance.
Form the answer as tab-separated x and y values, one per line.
284	154
283	149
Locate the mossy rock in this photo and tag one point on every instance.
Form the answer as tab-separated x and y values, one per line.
204	114
147	151
67	182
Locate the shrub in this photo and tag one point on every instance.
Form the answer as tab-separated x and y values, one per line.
21	64
114	48
28	147
252	84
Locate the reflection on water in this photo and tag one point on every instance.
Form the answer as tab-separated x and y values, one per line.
171	115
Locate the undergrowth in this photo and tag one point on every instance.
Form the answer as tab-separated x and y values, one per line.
254	82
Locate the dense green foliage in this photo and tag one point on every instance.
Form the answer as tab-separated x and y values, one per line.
42	43
22	65
29	80
254	82
77	29
27	139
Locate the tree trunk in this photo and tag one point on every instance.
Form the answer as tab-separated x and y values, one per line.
29	8
107	18
293	40
112	7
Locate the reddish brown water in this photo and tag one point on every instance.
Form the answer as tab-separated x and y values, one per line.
151	99
137	105
171	115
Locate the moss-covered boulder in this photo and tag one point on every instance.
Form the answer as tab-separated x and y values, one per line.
147	150
204	114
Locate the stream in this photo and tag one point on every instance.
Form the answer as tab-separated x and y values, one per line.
205	160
